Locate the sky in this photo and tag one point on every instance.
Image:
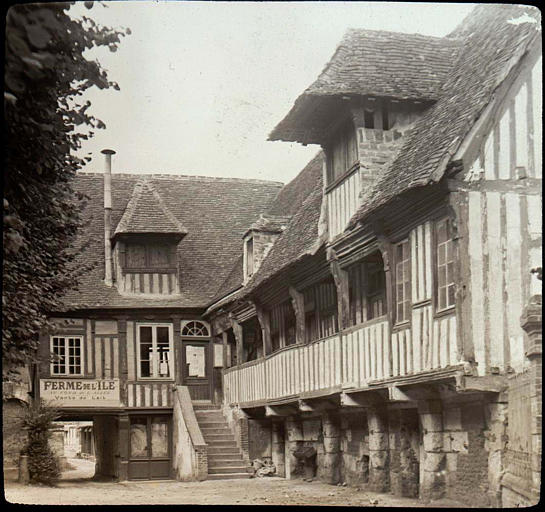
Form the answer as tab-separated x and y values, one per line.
204	83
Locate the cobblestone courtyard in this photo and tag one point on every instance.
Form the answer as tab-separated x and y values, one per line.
76	489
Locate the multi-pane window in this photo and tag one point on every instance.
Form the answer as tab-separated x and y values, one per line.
155	352
445	265
403	281
147	256
342	154
67	355
283	324
320	310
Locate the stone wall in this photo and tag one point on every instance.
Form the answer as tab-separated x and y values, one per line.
259	439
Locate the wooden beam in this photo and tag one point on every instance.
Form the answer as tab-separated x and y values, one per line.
340	277
364	398
237	331
298	302
485	383
281	410
264	320
317	405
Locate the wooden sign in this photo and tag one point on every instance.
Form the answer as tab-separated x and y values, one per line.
81	392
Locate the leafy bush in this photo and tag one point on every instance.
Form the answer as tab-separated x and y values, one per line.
43	466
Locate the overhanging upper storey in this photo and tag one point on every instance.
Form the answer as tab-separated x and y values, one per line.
369	64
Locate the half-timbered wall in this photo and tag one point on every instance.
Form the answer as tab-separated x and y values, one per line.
501	206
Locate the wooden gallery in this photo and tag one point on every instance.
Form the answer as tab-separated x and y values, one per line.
375	321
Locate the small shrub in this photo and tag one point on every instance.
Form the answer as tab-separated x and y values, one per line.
43	466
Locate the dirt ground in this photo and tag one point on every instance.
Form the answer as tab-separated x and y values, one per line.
75	488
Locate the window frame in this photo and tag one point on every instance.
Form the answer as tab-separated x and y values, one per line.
53	364
249	257
406	279
155	368
437	288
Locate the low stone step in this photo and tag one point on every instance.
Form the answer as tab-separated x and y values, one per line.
211	431
213	424
223	463
224	451
224	443
228	476
218	437
227	469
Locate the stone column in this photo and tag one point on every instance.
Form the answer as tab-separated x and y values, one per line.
379	477
278	454
531	322
330	471
394	445
433	484
294	435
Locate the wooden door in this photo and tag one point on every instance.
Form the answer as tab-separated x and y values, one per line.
149	447
196	371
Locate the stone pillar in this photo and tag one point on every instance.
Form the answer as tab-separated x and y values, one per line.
330	471
531	322
379	477
394	444
294	435
433	484
278	454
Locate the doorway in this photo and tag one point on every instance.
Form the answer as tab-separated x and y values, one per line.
196	369
150	447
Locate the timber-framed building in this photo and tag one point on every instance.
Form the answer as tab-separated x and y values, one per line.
379	310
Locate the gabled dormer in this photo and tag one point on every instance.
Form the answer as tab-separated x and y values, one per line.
258	240
145	244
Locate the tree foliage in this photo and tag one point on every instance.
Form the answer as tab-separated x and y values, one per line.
46	120
43	465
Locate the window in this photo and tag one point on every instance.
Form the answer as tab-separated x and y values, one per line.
376	290
403	282
342	154
155	352
320	310
146	256
195	328
68	355
445	265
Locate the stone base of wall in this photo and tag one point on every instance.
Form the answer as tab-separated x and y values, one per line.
14	436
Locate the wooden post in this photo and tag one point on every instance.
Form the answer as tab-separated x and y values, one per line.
123	432
237	330
178	349
123	371
264	319
298	301
340	277
225	341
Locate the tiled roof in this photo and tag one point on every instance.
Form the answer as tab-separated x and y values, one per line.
370	63
214	211
147	213
295	200
492	45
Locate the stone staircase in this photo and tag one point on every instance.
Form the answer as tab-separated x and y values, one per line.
225	460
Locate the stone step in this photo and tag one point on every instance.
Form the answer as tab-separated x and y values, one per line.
223	450
223	463
213	424
241	468
228	476
205	407
222	443
210	417
214	431
218	437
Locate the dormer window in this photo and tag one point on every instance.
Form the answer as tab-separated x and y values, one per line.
342	153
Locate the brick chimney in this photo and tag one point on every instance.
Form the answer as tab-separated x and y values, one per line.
108	215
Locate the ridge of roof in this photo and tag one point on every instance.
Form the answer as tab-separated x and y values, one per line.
188	177
146	213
